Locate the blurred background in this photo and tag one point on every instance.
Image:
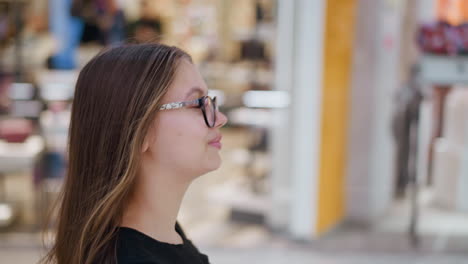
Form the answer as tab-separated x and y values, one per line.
347	139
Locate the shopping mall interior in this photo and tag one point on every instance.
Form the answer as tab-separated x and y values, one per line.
347	133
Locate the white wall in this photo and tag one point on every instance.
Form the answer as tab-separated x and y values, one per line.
296	138
361	122
280	140
376	78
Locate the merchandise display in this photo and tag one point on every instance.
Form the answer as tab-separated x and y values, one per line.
230	41
441	128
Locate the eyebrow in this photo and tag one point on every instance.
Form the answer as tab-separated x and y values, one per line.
194	90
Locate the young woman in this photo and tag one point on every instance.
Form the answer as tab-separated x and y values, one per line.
142	129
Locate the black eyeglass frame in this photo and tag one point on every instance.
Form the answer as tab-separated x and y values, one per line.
198	103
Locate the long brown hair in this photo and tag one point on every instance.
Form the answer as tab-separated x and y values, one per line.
115	102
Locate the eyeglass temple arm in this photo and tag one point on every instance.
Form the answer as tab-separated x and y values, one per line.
177	105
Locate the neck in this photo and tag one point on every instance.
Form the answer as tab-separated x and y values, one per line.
154	205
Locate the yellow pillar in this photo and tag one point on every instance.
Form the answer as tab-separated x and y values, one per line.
338	47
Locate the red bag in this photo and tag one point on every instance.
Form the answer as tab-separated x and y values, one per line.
439	38
15	130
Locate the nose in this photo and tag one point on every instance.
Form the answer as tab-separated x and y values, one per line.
221	119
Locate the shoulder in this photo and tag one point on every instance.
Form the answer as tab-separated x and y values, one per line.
139	261
134	248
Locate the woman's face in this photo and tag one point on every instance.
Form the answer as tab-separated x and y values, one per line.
182	141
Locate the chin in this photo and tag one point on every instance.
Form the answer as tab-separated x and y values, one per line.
213	164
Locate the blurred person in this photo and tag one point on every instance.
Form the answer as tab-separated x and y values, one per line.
148	27
404	126
37	45
104	20
142	130
66	30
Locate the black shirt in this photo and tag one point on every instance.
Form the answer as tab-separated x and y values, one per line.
134	247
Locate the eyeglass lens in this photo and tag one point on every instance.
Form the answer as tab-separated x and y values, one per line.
210	111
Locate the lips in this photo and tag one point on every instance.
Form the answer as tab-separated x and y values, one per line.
216	142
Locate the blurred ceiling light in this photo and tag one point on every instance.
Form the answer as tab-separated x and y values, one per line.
6	213
57	91
266	99
21	91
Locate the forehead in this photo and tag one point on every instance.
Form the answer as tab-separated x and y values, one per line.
186	78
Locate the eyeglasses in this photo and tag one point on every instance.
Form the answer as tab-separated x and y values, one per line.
207	105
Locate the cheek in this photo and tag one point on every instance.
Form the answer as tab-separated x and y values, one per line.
179	139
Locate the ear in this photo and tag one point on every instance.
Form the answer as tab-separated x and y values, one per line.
148	140
145	145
